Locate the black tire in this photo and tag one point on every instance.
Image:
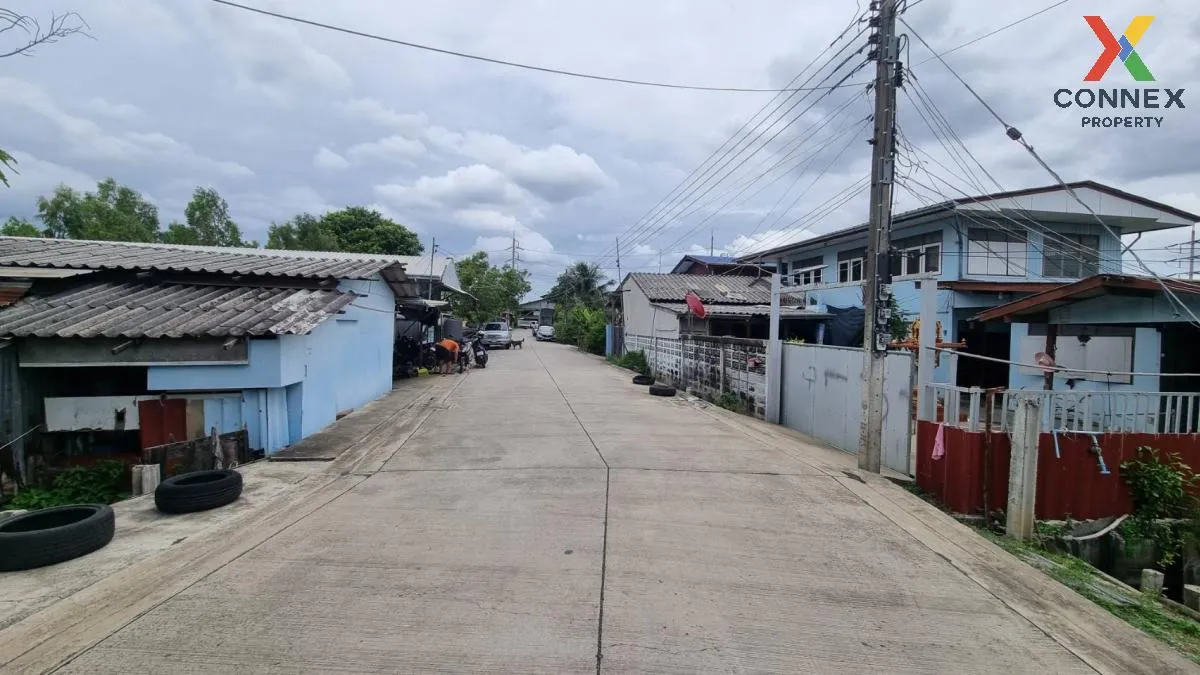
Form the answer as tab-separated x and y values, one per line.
661	390
643	379
198	491
54	535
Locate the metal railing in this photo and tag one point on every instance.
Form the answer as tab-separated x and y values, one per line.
1144	412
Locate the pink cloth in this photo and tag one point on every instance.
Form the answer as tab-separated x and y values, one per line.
939	442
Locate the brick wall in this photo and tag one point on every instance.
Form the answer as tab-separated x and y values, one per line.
709	366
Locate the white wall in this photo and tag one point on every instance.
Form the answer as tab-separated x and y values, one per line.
641	318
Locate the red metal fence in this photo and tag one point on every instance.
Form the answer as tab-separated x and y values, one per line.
1069	484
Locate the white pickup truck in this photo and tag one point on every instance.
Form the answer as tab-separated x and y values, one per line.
496	334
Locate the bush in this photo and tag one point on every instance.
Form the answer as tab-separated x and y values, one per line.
101	483
582	327
635	361
1162	487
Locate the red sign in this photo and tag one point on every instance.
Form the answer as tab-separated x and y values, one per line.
694	304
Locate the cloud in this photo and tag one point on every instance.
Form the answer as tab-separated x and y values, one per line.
558	173
374	112
487	220
88	140
35	177
329	160
390	148
461	188
125	112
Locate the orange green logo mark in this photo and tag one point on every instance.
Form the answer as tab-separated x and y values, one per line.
1122	48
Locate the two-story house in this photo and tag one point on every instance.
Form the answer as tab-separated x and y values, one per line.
982	252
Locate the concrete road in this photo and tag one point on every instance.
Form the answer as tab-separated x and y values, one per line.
551	517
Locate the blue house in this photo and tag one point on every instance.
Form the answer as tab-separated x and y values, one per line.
982	252
277	343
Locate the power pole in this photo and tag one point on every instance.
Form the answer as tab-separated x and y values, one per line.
878	288
513	261
1192	256
432	250
660	261
712	238
618	260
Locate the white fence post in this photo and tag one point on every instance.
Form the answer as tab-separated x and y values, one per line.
774	356
926	401
1022	469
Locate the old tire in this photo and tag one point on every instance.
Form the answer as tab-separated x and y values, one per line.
54	535
198	491
661	390
643	379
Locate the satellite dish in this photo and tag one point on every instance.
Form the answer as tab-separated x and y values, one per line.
1044	361
695	305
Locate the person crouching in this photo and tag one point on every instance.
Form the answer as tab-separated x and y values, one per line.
447	355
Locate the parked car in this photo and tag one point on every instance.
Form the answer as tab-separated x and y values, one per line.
496	334
544	333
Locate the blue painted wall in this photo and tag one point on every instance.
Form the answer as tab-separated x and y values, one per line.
1147	358
295	385
953	266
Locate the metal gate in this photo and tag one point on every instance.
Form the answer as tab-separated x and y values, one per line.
822	396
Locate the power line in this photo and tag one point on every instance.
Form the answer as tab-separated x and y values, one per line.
1014	134
736	139
497	61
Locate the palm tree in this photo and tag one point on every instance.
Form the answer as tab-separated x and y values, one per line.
580	284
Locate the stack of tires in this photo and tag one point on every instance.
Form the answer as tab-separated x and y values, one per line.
655	389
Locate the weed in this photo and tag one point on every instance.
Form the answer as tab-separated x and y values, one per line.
100	483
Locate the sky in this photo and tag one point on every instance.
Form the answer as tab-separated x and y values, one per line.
281	118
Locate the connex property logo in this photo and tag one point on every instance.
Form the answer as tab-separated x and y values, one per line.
1098	102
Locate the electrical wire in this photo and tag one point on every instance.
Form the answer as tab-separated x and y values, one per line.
665	221
799	170
1016	135
740	135
496	61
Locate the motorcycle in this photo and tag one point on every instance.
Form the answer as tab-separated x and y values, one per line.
479	352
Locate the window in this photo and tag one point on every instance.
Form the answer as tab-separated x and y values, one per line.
996	253
1072	256
850	265
921	254
783	268
809	271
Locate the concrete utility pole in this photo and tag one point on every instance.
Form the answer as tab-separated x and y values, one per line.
432	251
513	261
1192	255
618	260
878	288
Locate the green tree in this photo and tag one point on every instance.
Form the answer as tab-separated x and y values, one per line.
6	163
495	290
356	229
208	222
19	227
113	212
305	232
580	284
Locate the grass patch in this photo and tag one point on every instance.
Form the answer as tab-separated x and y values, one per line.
1142	611
635	361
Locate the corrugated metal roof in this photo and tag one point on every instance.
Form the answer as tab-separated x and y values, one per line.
132	310
730	290
79	254
11	291
744	310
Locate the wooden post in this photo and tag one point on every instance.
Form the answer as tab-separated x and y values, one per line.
1051	347
1022	469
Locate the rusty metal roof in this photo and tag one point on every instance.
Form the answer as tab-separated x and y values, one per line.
132	310
80	254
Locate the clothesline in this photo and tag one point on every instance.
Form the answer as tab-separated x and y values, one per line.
1058	369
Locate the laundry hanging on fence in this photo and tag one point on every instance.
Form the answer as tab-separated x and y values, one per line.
939	442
